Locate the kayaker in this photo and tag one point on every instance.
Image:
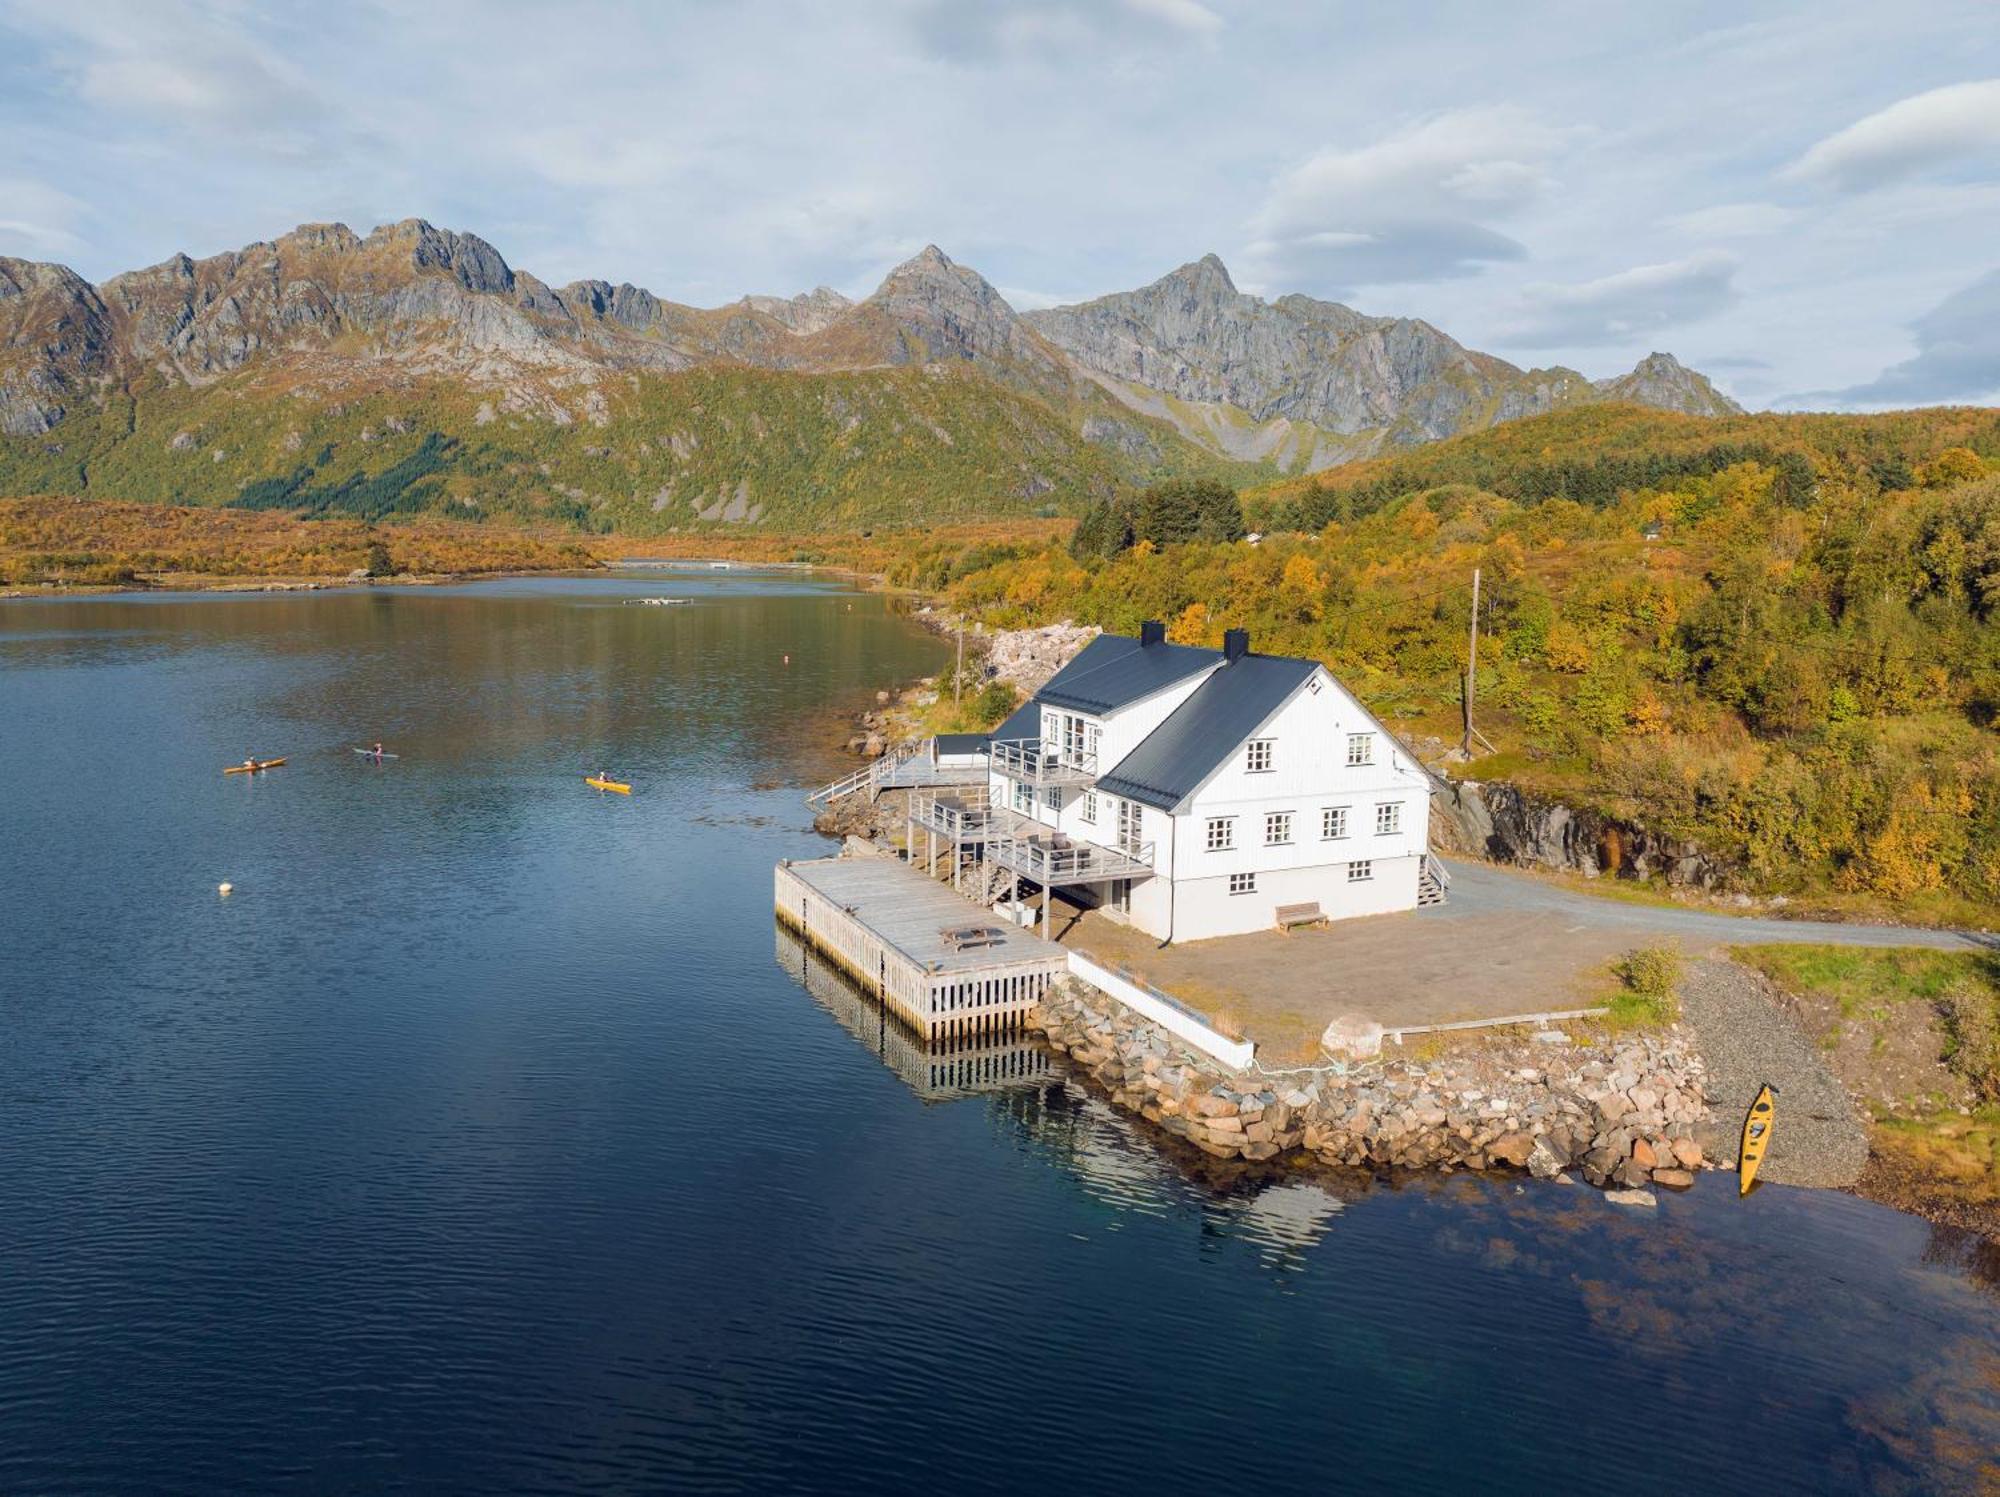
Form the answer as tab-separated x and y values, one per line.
250	763
378	748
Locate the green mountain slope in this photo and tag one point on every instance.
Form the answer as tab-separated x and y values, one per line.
648	453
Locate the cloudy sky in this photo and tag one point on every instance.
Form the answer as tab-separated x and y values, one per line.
1802	200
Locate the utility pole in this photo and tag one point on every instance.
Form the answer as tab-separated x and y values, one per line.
1472	734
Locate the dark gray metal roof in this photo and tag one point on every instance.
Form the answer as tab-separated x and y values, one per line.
1026	722
1114	669
1173	760
963	743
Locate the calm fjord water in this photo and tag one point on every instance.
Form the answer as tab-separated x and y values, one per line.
478	1142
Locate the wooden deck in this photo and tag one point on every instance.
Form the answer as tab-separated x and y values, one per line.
885	924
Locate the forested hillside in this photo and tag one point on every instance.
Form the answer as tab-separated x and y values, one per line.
1776	636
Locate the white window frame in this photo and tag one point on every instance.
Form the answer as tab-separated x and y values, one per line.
1052	797
1333	823
1242	883
1259	748
1388	818
1361	872
1278	828
1219	835
1360	750
1021	799
1088	811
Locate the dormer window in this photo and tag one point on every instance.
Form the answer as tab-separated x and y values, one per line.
1259	760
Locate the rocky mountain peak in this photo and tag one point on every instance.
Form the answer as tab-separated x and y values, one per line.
1663	381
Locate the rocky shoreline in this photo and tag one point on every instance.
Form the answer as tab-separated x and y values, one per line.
1621	1114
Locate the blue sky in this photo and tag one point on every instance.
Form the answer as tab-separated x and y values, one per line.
1802	200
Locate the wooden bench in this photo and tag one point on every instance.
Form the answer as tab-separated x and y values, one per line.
966	937
1287	916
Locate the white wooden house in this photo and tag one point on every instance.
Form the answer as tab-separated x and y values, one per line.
1193	793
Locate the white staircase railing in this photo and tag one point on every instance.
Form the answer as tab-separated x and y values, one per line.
871	775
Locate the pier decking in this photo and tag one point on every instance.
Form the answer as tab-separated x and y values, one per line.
887	926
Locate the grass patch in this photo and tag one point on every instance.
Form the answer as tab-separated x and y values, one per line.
1869	981
1958	1155
1647	995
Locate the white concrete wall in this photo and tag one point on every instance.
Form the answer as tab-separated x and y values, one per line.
1204	908
1233	1053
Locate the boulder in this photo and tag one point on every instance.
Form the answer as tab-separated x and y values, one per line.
1352	1035
1514	1148
1545	1161
1687	1153
1631	1198
1673	1179
1644	1154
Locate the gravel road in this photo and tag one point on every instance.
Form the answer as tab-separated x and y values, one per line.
1483	889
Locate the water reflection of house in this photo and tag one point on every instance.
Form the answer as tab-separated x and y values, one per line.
938	1070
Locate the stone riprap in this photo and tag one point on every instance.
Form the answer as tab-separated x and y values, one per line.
1622	1112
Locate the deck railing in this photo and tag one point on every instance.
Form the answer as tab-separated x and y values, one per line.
902	766
1038	763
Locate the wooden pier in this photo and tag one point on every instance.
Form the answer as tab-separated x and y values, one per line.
940	1070
888	927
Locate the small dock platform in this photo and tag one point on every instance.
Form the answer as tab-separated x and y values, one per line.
937	961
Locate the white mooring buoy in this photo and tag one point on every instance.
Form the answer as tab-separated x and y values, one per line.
224	888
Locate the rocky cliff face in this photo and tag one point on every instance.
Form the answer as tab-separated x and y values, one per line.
1664	381
1307	383
1297	383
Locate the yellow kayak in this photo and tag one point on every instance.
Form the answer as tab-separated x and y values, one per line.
596	784
253	768
1756	1138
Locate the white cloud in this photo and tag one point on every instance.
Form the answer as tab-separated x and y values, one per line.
36	219
1914	135
1733	221
1414	206
1073	31
195	66
1626	306
1958	354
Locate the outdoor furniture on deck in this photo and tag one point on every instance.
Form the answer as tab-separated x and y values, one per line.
967	937
1286	916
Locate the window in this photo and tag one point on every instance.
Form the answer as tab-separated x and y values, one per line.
1388	818
1221	833
1072	739
1260	756
1131	826
1332	823
1242	883
1089	811
1023	801
1360	748
1092	736
1360	873
1277	828
1052	797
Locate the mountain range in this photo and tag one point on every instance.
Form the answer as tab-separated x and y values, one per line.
413	368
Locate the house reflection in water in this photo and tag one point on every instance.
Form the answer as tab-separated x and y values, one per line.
938	1070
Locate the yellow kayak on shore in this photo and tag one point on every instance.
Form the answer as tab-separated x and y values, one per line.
253	768
1756	1138
596	784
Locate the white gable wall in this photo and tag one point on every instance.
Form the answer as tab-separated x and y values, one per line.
1191	897
1309	775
